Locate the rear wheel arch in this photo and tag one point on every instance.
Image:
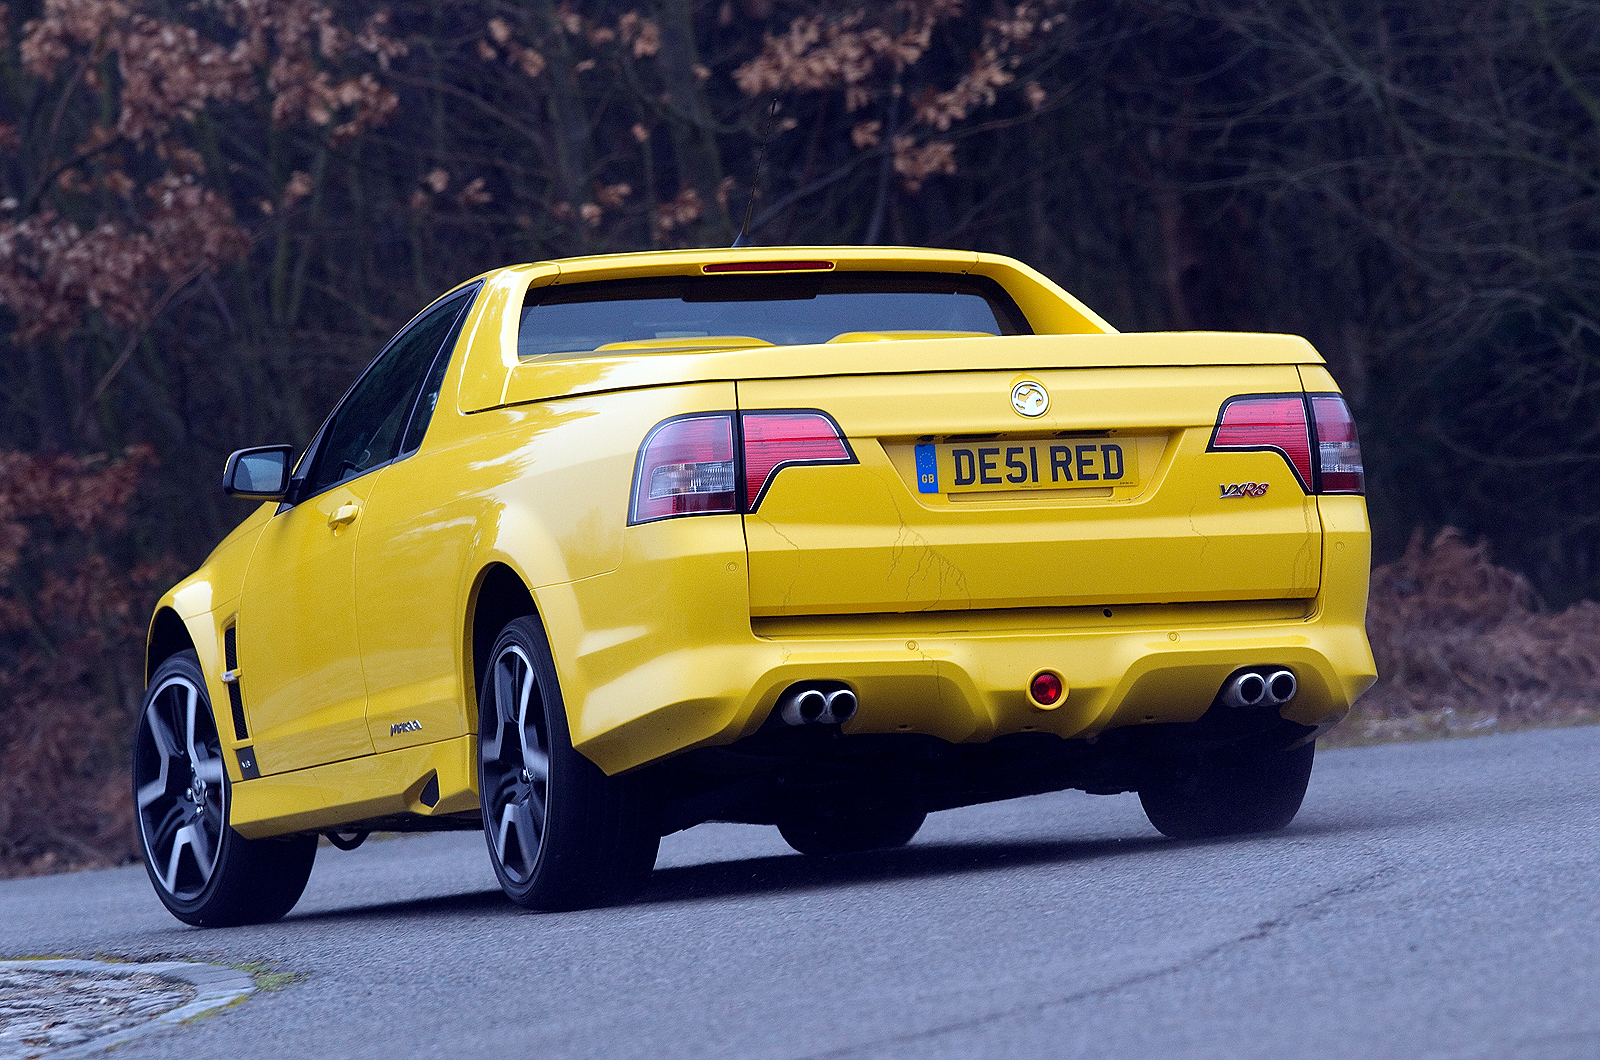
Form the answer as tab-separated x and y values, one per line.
169	635
500	596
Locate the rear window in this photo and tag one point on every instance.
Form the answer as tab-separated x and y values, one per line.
782	310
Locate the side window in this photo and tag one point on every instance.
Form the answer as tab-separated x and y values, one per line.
430	386
366	429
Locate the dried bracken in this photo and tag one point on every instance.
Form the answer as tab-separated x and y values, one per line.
1464	645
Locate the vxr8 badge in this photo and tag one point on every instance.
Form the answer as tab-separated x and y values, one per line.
1244	489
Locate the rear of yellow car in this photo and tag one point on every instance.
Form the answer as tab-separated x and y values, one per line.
962	568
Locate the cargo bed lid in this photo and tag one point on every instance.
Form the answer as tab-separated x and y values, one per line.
1119	499
485	386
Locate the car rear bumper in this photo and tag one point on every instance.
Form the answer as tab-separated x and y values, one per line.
964	688
662	656
969	686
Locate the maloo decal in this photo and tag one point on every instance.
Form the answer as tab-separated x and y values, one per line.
405	726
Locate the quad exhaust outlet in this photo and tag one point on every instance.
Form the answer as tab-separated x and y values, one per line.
1256	689
809	704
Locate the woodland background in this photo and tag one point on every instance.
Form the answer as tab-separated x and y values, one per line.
213	213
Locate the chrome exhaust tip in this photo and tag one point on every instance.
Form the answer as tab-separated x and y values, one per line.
841	707
802	706
1281	686
1248	689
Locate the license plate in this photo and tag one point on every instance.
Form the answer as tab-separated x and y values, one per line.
978	467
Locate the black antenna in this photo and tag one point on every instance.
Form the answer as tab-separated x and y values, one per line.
755	181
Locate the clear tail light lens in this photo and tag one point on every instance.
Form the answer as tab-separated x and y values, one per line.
776	440
689	465
685	467
1271	422
1338	450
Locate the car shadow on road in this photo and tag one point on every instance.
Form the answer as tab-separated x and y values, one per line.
476	903
782	873
775	874
796	872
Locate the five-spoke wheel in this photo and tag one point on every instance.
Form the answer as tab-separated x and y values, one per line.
180	794
204	872
516	765
561	833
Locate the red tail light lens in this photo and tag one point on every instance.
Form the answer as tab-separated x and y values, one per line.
776	440
1268	421
685	467
688	465
1339	452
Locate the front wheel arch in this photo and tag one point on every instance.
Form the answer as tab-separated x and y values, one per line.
168	636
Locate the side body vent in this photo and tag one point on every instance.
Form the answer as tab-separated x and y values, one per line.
230	653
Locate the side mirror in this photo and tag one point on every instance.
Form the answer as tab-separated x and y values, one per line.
261	473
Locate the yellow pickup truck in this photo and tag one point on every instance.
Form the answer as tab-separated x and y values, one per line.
825	538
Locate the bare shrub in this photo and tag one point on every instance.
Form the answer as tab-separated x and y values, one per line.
72	622
1464	645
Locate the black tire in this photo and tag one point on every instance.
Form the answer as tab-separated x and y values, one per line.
204	872
561	834
1225	793
821	833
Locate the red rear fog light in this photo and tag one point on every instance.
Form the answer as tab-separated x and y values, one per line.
1046	688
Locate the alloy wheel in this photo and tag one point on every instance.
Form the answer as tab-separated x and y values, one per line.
516	765
180	788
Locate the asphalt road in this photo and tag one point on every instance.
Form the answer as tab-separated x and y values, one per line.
1431	900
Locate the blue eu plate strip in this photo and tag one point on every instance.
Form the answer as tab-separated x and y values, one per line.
927	470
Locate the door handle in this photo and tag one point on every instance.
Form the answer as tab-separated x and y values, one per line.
343	516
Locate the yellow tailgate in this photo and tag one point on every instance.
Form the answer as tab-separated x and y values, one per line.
863	538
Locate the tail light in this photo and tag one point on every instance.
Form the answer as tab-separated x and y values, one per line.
1339	452
776	440
688	465
1283	424
685	467
1268	421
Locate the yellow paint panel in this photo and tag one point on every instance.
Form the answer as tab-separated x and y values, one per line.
863	538
299	663
327	796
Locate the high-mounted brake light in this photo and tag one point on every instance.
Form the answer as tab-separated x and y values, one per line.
776	440
685	467
1268	421
767	266
1279	423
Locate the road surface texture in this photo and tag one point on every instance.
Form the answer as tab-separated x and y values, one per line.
1431	900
